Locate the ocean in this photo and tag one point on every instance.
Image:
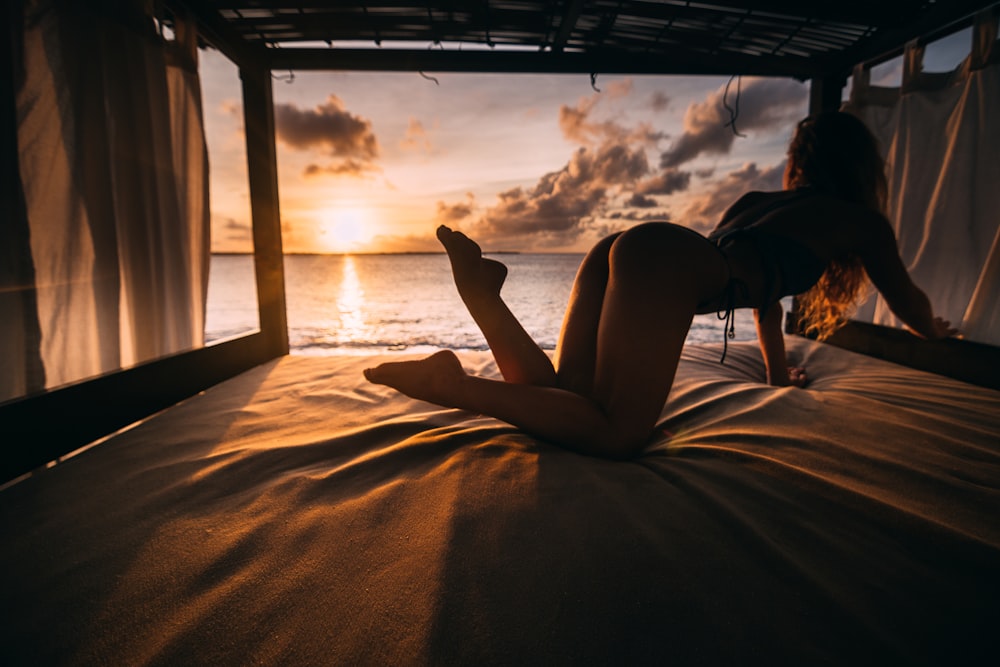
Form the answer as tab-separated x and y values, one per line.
367	304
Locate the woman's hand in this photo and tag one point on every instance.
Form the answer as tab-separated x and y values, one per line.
941	329
797	376
794	376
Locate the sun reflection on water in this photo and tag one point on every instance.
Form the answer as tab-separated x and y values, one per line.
350	304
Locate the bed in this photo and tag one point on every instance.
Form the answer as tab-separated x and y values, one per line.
296	514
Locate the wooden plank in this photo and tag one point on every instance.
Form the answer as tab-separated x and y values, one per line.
976	363
258	110
220	34
43	427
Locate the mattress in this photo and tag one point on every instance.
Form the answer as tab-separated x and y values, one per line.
296	514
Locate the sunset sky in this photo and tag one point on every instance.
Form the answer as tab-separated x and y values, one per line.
373	162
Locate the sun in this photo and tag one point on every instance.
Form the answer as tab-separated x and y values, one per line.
344	229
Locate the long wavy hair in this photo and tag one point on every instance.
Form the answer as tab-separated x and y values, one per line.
834	153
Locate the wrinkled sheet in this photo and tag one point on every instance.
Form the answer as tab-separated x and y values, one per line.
299	515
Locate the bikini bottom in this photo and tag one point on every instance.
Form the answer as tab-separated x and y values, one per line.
728	310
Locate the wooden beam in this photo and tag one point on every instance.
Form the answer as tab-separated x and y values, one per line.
566	25
258	113
976	363
221	35
44	427
676	61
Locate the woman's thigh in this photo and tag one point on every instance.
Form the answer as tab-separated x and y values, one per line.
576	352
658	273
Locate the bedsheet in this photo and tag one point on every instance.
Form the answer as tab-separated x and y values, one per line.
296	514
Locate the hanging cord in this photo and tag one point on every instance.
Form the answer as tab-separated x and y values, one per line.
430	46
729	327
729	312
287	78
734	111
593	81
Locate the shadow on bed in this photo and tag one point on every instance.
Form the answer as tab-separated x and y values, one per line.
298	515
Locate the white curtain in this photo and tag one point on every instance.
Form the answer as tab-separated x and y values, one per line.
114	169
940	134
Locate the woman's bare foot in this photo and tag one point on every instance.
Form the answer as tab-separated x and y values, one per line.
475	276
436	379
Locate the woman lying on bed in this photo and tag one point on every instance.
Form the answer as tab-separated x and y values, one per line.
637	291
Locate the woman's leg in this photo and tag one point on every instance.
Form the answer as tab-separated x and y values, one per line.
657	276
479	280
576	352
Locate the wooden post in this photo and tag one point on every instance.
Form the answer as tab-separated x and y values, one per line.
825	93
258	114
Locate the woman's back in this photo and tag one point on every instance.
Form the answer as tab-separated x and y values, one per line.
792	236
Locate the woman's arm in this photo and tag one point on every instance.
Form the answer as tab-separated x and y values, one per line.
772	348
907	301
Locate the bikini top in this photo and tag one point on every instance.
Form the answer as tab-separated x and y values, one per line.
789	267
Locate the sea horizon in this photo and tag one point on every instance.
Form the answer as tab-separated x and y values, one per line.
370	303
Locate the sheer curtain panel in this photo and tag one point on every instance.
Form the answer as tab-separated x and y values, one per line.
115	180
941	137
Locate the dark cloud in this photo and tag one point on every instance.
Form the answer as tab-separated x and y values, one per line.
234	230
704	212
453	213
666	182
659	101
636	216
764	105
348	167
558	207
641	201
329	127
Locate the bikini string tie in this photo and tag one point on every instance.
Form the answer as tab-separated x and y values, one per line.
728	313
729	328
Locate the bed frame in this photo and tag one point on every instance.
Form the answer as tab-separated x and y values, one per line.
822	42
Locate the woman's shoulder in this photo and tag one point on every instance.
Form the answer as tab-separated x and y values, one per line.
838	226
746	202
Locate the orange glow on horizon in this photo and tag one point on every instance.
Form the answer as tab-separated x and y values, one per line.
345	229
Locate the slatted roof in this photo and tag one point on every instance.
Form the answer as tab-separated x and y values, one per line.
798	38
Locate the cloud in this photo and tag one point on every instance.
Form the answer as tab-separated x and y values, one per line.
231	108
659	101
764	105
454	213
641	201
706	210
416	137
636	216
233	230
557	209
666	182
328	127
350	167
578	126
